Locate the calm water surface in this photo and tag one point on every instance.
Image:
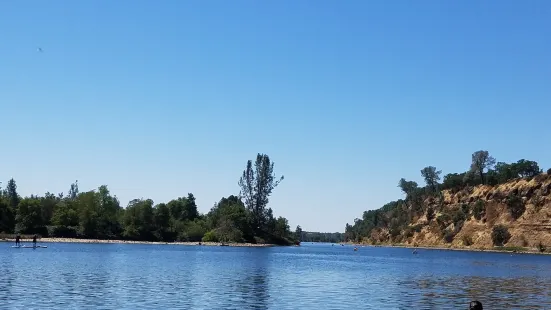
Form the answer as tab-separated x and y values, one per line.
121	276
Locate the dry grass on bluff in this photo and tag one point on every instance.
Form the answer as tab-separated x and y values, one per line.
466	219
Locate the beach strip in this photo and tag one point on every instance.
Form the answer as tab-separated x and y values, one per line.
102	241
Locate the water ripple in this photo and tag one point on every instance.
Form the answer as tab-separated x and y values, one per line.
111	276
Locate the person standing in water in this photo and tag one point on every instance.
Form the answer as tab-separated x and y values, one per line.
34	241
17	242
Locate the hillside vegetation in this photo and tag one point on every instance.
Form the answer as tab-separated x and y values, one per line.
492	204
311	236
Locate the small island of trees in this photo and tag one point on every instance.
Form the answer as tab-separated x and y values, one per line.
97	214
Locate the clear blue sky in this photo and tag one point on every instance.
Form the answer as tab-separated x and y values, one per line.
160	98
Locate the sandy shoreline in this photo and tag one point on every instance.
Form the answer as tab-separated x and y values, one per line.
71	240
100	241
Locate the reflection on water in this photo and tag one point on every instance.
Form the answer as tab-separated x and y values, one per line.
252	287
308	277
518	293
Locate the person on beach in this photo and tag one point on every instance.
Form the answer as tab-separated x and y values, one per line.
475	305
17	242
34	241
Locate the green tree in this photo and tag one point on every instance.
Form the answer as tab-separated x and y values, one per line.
108	212
47	205
12	195
88	213
257	184
183	208
65	214
481	160
190	208
453	181
176	207
270	225
408	187
231	210
29	217
504	172
281	227
431	176
492	177
521	169
310	236
298	233
162	218
526	168
7	218
138	220
349	232
7	213
394	228
73	191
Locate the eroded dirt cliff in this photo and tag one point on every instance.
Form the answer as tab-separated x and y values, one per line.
467	217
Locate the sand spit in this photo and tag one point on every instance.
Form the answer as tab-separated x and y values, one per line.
71	240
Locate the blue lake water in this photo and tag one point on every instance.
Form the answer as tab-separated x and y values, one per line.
321	276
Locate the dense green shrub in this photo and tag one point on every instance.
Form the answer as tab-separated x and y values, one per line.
479	210
430	214
465	208
193	231
443	220
210	236
408	232
500	235
453	181
458	216
448	236
516	206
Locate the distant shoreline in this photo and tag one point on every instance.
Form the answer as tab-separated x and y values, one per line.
233	244
504	250
103	241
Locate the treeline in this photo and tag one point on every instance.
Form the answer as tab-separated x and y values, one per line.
98	214
308	236
397	215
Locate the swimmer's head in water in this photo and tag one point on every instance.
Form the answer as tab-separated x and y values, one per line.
475	305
